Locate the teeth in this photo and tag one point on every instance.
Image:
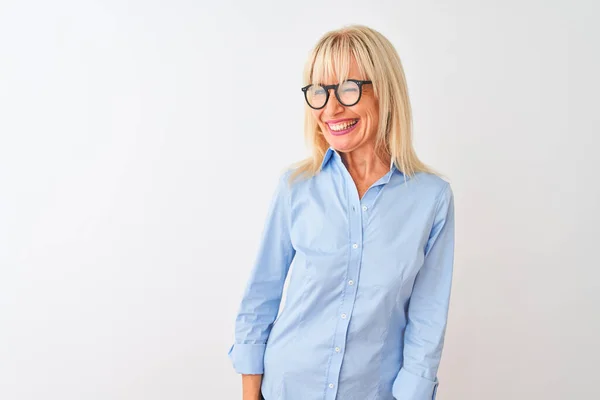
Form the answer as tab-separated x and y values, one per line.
342	126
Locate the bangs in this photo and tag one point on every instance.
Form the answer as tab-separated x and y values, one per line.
332	60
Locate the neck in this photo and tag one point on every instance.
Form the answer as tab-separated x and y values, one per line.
365	162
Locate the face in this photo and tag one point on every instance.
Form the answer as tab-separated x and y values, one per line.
349	128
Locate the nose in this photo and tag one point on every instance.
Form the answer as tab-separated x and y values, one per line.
333	106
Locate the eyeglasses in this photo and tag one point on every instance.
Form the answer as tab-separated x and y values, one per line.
348	93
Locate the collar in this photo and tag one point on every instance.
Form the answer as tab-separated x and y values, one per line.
331	152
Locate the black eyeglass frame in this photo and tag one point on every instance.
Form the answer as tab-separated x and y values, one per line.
335	90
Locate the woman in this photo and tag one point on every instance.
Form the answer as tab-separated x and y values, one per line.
370	231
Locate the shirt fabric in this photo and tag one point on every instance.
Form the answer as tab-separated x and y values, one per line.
367	299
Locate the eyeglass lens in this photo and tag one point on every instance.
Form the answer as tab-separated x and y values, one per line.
348	93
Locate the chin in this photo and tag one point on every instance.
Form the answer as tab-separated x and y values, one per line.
342	145
344	142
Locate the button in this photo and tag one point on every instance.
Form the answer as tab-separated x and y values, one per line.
355	246
343	316
350	282
365	208
331	386
337	349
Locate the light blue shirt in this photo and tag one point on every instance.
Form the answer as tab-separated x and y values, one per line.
367	300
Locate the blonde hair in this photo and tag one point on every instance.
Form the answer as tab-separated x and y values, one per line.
379	62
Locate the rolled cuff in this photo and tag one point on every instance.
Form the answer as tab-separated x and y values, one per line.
408	386
247	358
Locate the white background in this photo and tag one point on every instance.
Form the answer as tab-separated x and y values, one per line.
140	142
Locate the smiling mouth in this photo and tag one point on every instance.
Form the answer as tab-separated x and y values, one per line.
342	128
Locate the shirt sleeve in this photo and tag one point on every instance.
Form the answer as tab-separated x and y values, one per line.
428	309
262	296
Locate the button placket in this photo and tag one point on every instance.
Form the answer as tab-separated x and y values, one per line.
355	216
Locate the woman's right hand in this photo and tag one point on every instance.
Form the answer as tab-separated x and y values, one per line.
251	387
